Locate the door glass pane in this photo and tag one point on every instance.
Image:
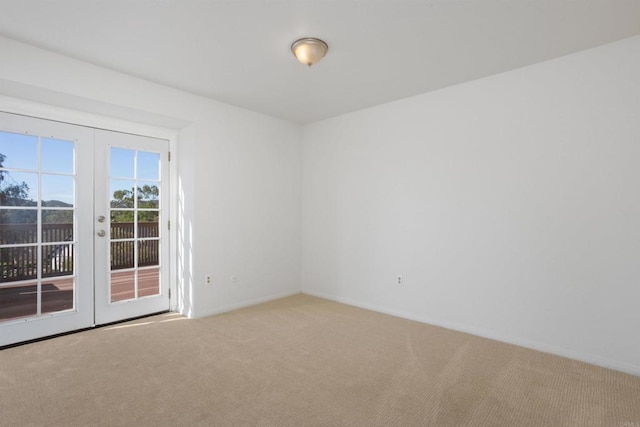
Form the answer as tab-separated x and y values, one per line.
18	188
18	226
57	260
148	282
122	255
57	156
18	151
148	224
57	190
123	285
18	263
57	295
122	163
57	225
148	166
134	215
148	195
18	300
122	193
122	224
148	252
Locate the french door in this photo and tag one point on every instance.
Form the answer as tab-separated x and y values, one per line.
81	235
131	222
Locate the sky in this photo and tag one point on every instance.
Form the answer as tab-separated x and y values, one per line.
57	166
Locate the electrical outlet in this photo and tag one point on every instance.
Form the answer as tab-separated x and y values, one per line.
207	280
399	280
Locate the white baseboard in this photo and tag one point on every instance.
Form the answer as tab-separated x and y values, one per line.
248	303
545	348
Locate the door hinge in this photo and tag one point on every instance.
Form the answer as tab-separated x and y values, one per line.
169	225
169	293
169	155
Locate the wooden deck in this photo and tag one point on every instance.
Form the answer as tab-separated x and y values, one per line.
123	285
19	301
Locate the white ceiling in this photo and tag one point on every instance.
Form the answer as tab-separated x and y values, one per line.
237	51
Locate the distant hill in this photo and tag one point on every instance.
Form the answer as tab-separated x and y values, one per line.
56	204
30	216
31	203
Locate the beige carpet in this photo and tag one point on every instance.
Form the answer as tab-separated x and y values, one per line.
302	361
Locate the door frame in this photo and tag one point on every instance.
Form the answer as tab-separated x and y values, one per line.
39	110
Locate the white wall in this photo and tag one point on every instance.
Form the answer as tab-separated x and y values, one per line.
510	205
248	223
236	174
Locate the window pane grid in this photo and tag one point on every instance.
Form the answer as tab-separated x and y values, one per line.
34	247
134	229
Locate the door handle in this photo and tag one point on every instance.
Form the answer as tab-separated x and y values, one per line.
101	218
101	233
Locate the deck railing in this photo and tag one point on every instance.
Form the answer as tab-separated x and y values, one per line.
21	262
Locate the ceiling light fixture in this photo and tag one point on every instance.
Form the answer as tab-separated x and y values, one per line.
309	50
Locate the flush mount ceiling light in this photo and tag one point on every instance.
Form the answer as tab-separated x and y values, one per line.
309	50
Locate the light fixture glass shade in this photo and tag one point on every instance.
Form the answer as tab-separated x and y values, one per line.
309	50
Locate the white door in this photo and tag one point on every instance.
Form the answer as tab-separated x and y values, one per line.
57	273
46	241
131	222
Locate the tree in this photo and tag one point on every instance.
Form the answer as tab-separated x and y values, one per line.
14	194
147	199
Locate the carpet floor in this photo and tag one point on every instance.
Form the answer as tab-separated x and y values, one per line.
302	361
